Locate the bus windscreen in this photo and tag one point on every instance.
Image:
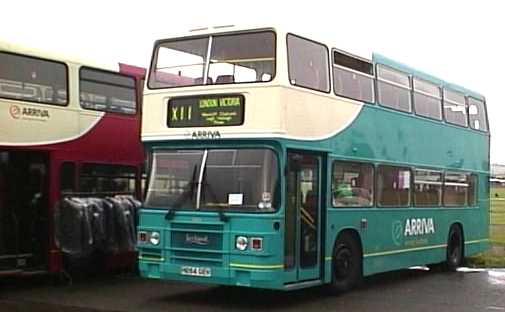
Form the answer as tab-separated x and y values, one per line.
176	181
233	58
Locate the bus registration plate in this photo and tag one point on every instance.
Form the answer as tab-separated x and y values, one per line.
196	271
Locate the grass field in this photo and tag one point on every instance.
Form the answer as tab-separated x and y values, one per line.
497	218
496	256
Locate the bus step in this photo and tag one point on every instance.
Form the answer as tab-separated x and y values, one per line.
10	272
304	284
33	272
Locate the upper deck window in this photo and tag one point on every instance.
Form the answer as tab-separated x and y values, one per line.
427	99
394	88
455	108
242	58
477	114
353	77
308	64
31	79
220	59
107	91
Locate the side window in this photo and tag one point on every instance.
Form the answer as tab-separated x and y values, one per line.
107	91
353	77
393	89
393	186
427	99
455	108
427	188
472	190
455	189
352	184
308	64
31	79
67	177
100	178
477	114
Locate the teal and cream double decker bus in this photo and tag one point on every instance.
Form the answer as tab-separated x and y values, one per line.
281	162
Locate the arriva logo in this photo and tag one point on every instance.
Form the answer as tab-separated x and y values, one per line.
206	135
28	113
15	111
418	226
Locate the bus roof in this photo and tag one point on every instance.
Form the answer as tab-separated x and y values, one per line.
39	53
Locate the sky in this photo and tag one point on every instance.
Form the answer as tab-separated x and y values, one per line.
462	42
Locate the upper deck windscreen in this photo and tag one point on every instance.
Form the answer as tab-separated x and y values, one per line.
221	59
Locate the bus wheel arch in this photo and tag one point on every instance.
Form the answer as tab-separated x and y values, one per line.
455	252
347	261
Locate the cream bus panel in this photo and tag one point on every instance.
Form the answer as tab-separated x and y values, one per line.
273	111
310	116
36	124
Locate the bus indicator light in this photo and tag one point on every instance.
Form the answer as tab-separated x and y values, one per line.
257	243
142	236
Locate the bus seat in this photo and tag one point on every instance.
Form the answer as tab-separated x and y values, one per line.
199	80
225	79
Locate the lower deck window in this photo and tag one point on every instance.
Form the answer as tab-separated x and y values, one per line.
393	186
104	178
455	189
427	188
352	184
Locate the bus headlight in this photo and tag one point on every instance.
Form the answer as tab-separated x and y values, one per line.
241	243
154	238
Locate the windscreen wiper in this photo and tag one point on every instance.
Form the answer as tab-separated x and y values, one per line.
187	194
208	189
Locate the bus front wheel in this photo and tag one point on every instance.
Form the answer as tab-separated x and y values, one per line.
454	248
346	263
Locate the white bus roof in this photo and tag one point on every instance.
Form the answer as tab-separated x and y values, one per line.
44	54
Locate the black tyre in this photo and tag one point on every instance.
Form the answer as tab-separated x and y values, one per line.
347	263
455	252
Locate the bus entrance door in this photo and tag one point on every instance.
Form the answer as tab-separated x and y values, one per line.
302	236
23	210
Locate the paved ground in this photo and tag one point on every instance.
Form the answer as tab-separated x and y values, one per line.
409	290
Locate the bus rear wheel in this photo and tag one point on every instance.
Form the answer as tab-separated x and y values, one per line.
346	263
454	248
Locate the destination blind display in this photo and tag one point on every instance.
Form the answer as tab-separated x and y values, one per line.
206	111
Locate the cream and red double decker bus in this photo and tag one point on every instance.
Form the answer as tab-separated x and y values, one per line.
67	127
278	161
